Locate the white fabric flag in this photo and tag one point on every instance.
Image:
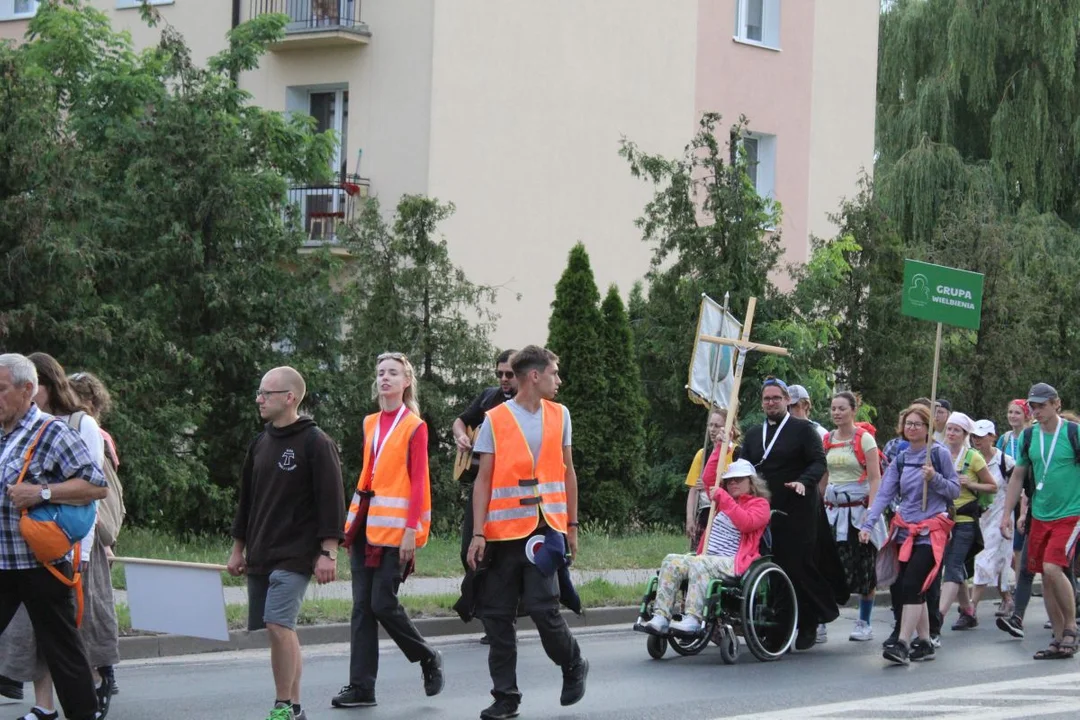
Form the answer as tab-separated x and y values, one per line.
711	361
176	598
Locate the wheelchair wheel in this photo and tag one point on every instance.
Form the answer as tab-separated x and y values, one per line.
728	641
770	614
656	646
687	646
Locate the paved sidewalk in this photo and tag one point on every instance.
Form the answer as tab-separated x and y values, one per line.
427	585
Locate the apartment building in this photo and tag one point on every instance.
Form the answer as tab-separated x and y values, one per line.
514	111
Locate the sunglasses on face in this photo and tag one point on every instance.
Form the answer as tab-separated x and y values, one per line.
504	374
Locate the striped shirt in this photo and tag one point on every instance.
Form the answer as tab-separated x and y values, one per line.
724	538
60	455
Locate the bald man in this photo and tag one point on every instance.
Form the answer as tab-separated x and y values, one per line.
288	525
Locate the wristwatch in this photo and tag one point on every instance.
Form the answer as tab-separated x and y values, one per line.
329	554
46	493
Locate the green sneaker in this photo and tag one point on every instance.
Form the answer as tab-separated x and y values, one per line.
281	711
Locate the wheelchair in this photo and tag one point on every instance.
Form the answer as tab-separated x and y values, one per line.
759	606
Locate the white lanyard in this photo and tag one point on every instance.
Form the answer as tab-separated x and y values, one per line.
764	429
1042	450
376	447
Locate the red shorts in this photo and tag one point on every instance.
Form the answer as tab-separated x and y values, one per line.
1053	542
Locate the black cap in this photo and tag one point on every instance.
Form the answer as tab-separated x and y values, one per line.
942	402
1041	392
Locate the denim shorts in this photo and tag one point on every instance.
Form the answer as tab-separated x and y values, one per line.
963	538
275	598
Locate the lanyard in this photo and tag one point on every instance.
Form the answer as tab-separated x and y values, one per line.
1053	444
376	446
764	429
1013	444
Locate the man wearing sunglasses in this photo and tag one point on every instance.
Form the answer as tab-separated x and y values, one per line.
788	453
473	417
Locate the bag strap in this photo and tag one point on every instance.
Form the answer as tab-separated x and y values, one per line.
1073	431
30	452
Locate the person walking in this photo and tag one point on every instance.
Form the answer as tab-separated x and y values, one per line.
853	477
992	564
697	497
43	461
287	525
788	454
526	487
1049	452
389	520
924	481
1018	415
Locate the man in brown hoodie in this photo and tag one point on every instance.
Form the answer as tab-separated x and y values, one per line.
288	525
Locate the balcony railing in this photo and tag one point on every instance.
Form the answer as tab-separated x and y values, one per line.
322	208
316	22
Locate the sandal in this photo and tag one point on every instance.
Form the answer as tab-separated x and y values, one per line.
1051	653
1069	643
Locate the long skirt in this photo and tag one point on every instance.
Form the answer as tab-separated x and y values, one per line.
19	656
860	563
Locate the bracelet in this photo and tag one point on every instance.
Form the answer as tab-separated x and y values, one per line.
574	524
479	535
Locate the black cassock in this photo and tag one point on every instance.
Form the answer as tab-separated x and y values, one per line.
800	534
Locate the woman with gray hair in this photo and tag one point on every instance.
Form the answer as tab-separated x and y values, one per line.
742	514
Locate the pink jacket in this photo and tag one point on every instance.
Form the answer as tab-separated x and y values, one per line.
750	514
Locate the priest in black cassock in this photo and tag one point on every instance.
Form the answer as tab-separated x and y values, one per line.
788	454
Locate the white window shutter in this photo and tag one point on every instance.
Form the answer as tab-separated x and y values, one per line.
770	33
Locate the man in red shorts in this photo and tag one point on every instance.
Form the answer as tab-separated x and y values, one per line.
1049	449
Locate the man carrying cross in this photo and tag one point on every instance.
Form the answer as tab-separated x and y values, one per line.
788	453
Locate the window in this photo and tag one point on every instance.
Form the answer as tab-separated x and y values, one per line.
757	22
18	9
760	150
121	4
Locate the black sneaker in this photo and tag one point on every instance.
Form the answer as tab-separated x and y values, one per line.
354	696
36	714
935	639
967	621
109	673
104	698
11	688
485	640
898	653
921	651
1014	625
504	707
806	638
573	682
894	637
433	677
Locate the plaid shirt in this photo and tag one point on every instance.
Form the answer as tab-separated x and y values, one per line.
60	455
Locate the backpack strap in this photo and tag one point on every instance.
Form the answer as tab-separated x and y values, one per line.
1073	431
74	420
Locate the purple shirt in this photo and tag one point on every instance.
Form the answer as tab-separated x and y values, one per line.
908	487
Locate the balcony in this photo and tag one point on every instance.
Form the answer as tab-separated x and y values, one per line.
316	23
322	208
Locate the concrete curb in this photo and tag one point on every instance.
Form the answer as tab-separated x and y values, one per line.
152	646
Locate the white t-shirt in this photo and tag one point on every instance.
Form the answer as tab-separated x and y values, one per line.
90	433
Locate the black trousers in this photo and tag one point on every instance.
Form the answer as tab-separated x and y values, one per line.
908	586
51	607
509	579
467	527
375	602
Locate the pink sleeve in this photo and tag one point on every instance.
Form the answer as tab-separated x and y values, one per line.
708	475
749	515
418	467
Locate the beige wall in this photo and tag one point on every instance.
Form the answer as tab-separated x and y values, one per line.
529	101
844	101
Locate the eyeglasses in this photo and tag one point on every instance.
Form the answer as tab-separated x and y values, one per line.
267	393
504	374
914	424
772	398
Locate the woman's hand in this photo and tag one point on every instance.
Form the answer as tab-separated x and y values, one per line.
864	537
691	527
1006	526
407	551
928	473
797	487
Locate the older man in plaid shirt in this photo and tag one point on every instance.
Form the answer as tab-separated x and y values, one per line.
60	471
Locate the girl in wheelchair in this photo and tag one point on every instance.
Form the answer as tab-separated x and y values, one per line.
742	514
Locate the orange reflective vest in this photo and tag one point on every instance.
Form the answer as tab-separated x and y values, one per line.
389	506
522	486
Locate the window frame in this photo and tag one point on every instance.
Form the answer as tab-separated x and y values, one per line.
7	11
770	24
136	4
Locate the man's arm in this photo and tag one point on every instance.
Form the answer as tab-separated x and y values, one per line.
235	564
815	453
571	501
328	491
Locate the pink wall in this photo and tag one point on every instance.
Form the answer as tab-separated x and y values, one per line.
773	89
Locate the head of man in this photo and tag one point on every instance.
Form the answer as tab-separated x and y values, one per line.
941	414
799	404
774	398
1045	403
18	385
280	393
504	373
537	371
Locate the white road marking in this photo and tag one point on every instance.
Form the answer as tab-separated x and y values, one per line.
1037	694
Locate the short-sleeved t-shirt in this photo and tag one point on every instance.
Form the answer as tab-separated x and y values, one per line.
1057	488
975	463
531	426
844	467
696	467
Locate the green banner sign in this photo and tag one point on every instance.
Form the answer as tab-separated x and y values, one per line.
942	294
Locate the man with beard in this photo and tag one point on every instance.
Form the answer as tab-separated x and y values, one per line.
788	453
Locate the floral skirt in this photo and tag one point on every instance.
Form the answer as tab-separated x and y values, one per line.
860	563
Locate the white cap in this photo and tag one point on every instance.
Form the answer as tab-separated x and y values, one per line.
961	420
739	469
797	393
984	428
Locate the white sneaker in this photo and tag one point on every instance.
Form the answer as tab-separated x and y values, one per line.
657	624
822	634
689	625
861	632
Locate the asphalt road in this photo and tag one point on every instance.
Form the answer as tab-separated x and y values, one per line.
980	674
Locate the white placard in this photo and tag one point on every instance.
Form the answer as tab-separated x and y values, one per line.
176	599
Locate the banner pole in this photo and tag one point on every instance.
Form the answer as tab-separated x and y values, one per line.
933	412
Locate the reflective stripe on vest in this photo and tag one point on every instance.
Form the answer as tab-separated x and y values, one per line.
389	505
522	487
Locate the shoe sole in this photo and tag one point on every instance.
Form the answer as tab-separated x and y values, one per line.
852	638
499	717
925	658
1015	632
584	678
897	660
339	704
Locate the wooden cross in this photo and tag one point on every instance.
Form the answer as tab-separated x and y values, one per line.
744	346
